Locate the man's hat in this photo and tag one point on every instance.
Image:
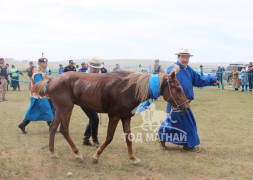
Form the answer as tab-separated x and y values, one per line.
95	63
71	62
184	52
42	60
83	63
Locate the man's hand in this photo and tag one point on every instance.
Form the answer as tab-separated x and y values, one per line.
215	83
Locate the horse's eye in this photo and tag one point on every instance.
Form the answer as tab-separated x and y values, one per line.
178	90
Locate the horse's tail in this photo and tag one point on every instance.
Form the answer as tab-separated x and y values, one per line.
41	87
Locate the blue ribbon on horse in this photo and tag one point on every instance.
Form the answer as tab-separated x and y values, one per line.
154	93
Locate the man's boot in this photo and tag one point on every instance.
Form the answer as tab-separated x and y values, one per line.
23	125
162	143
48	123
94	133
191	149
86	141
87	134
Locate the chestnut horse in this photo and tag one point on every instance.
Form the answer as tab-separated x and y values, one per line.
116	94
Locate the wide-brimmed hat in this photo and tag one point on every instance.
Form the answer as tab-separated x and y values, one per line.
184	52
95	63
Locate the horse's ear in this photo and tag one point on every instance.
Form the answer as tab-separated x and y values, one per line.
170	76
167	76
173	75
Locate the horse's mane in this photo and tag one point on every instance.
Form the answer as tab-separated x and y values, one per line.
41	87
140	81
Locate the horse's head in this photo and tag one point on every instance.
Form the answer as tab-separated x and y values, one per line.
173	93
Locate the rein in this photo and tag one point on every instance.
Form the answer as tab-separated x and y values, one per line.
171	97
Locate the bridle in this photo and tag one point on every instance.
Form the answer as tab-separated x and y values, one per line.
171	97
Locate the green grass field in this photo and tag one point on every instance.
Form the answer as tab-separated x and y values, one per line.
225	125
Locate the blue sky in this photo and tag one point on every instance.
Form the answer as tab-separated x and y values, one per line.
213	30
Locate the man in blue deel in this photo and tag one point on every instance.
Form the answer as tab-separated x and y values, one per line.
183	125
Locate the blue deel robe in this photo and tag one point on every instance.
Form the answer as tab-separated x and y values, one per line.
177	128
40	109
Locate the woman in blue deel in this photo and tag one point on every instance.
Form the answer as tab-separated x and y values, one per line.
181	129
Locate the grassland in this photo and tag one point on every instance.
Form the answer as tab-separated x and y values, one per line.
225	125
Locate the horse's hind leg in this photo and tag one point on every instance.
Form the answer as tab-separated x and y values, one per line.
65	132
127	131
113	122
53	127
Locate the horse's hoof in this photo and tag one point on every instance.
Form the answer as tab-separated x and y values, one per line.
137	162
94	159
79	158
54	156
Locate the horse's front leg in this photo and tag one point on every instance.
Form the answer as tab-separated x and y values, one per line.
113	122
127	131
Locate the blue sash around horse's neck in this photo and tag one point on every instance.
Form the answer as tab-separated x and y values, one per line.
154	93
